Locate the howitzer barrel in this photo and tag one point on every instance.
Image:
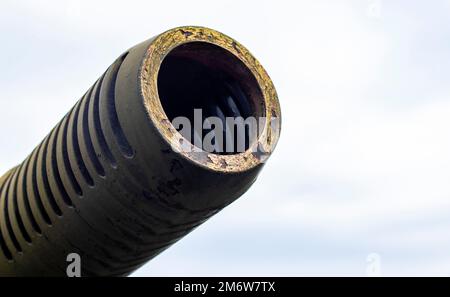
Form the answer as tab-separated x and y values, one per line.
116	181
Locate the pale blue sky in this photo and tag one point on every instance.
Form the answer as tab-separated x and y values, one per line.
363	163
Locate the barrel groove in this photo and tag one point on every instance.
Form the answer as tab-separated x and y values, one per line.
14	212
26	201
37	188
83	121
86	176
55	172
69	173
110	85
6	223
95	124
44	177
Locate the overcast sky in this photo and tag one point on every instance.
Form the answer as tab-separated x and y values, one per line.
363	163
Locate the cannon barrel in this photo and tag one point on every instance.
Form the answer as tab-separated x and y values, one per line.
115	181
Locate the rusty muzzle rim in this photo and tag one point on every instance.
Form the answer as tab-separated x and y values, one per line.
263	95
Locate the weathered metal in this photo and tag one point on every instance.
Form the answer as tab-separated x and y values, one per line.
111	181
